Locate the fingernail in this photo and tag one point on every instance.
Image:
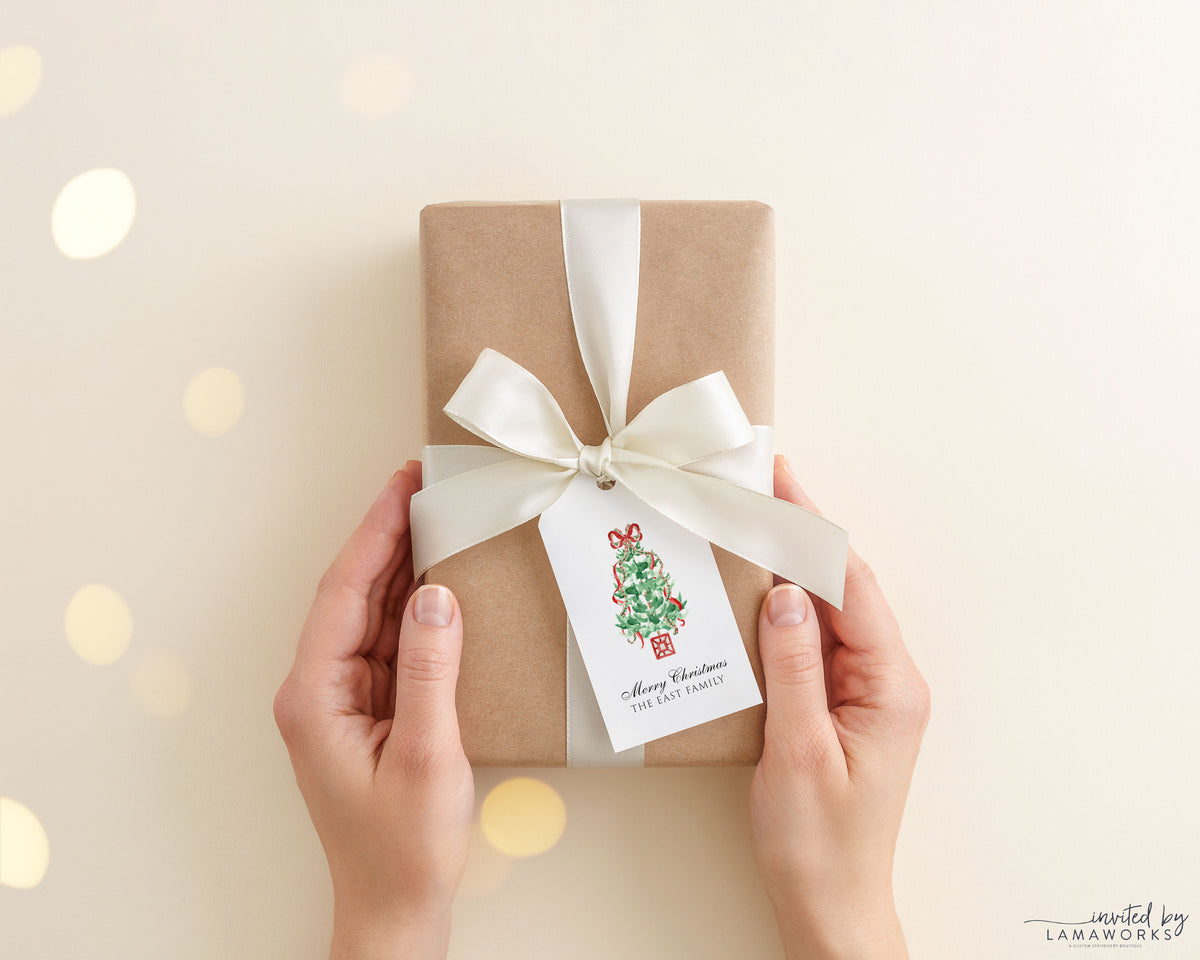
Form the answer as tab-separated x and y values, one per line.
786	606
433	606
787	467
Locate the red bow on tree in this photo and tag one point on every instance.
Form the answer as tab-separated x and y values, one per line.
617	539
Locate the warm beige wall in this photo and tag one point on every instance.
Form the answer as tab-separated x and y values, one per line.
988	341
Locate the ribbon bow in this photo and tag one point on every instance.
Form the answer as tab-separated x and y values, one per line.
659	456
618	540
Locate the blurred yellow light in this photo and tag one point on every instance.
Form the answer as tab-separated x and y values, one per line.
523	817
98	623
20	75
160	684
214	401
24	848
487	867
93	213
376	85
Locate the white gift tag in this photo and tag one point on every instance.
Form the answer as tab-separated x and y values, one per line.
649	610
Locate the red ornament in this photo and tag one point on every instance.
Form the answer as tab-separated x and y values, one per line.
662	646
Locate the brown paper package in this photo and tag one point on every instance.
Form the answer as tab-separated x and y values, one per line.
492	275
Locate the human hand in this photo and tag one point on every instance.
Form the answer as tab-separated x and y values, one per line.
846	709
367	713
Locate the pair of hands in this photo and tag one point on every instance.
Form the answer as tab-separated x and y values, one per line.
367	713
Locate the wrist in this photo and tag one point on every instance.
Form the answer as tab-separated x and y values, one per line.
413	935
861	927
863	932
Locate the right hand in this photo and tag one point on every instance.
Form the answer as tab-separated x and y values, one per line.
846	710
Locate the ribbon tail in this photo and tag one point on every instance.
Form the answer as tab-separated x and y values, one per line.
796	543
469	508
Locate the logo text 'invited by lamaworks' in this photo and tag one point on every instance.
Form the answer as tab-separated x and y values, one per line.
1135	924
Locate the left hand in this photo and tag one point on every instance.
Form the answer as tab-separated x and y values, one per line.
367	713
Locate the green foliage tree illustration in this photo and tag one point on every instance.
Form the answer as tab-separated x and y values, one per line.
647	602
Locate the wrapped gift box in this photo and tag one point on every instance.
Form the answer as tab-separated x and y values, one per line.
493	275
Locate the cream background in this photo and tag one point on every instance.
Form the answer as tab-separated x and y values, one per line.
988	232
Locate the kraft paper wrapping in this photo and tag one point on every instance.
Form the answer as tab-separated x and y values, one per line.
492	275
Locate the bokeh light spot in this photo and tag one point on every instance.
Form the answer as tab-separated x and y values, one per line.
214	401
20	76
93	213
98	623
376	85
523	817
160	684
487	867
24	848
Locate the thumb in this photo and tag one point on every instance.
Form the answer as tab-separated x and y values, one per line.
789	641
427	660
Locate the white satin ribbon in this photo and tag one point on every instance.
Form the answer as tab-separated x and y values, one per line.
664	456
502	402
749	466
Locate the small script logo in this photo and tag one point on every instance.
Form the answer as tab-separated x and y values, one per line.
1134	925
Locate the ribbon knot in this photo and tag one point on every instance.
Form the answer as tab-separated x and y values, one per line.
595	461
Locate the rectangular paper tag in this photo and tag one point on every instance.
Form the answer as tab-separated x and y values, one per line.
649	610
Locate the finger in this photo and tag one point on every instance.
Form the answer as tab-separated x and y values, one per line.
865	623
399	566
427	661
390	593
392	610
789	639
338	622
364	557
787	487
391	636
401	589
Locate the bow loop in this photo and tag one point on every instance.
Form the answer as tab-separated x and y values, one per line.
502	402
688	423
618	540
